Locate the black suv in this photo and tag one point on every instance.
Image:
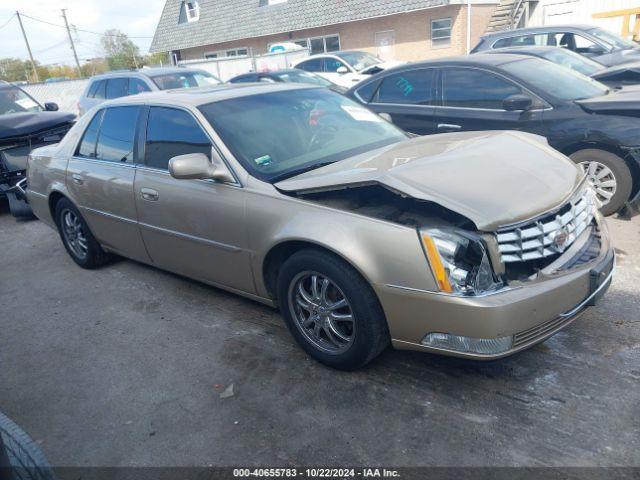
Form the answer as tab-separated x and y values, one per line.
24	125
582	118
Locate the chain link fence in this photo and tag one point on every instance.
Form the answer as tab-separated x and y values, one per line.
65	93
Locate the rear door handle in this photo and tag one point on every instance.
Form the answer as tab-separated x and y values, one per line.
449	126
77	179
149	194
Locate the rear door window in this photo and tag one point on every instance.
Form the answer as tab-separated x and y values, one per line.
87	146
117	87
408	88
331	65
137	86
172	132
471	88
313	65
116	140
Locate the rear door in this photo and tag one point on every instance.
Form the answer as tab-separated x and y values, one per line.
192	227
472	99
409	99
100	179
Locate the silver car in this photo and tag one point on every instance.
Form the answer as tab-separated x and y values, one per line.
475	244
124	83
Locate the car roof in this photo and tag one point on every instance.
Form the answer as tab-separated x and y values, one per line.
480	59
194	97
145	72
524	48
549	28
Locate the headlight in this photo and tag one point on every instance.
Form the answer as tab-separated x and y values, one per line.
459	262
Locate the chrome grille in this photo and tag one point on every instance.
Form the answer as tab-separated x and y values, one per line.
540	238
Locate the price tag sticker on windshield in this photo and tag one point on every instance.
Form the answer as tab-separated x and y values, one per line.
361	114
26	103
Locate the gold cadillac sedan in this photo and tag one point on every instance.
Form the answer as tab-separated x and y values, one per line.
475	244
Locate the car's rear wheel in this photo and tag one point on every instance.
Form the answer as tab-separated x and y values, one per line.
609	175
78	240
331	311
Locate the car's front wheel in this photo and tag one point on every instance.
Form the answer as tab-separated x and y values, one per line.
331	311
609	175
78	240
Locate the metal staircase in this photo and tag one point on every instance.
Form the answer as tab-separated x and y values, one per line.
507	15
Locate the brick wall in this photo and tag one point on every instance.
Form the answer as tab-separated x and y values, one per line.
412	34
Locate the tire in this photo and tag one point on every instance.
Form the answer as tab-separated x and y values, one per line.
20	455
620	173
90	255
367	330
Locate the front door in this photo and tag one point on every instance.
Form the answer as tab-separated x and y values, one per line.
385	43
192	227
408	98
100	178
472	99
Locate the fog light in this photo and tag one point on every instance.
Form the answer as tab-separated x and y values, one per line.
456	343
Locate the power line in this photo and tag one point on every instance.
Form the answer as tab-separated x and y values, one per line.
7	22
79	29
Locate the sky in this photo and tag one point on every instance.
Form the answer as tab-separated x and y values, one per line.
50	44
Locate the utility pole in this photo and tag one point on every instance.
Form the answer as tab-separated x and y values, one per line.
73	47
33	63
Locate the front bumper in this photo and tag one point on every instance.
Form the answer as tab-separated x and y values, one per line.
529	313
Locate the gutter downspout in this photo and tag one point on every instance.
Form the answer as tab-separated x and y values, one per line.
468	27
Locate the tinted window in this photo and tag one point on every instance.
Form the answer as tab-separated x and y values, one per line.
100	89
465	87
414	88
93	89
87	147
117	87
172	132
137	86
366	92
245	79
186	79
314	65
117	134
332	65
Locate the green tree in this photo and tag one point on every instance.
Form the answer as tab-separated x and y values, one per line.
120	51
15	70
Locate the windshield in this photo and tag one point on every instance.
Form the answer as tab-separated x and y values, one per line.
572	60
15	100
612	39
302	77
557	81
359	60
281	134
185	80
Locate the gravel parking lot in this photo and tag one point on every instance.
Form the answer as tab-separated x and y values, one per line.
124	366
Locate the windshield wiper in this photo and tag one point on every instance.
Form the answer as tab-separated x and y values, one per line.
299	171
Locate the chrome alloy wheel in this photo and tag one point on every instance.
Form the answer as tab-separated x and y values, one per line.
602	179
322	312
74	234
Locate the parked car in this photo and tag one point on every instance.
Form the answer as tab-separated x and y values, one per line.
472	244
605	47
131	82
24	124
580	117
290	75
344	68
616	77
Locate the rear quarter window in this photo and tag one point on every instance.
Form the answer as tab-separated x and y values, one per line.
117	87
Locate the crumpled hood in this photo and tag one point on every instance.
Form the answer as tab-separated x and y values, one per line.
625	100
21	124
492	178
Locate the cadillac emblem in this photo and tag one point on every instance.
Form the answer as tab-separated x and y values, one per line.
560	240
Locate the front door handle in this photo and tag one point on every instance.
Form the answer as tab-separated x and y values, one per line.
77	179
149	194
449	126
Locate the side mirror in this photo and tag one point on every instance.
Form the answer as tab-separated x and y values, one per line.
196	166
516	103
51	107
342	70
